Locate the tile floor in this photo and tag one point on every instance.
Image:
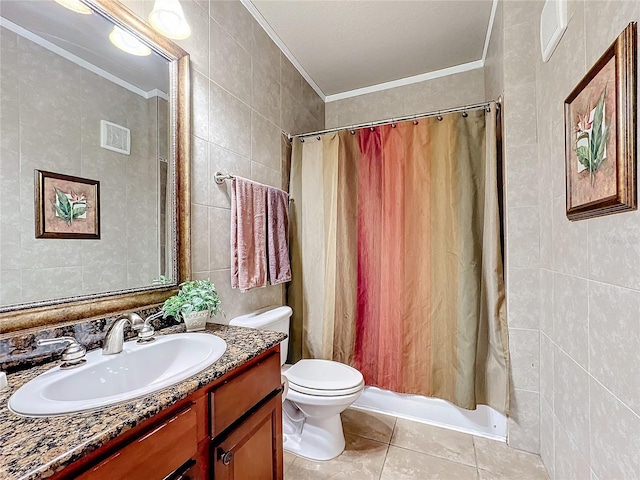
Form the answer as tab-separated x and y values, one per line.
383	447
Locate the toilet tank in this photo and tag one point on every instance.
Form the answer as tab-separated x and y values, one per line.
272	318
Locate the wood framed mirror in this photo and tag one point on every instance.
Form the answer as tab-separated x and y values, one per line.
123	102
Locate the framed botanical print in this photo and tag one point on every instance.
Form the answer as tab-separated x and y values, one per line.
66	206
600	134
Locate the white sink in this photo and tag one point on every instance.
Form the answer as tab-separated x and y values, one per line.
110	379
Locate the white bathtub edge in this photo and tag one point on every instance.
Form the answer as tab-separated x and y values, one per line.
397	405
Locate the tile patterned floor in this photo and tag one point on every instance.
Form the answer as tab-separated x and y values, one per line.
381	447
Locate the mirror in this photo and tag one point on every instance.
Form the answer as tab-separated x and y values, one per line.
94	164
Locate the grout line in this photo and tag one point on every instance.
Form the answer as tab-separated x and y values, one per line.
595	379
525	390
226	149
583	277
589	302
475	452
393	431
407	449
525	329
287	467
384	462
363	437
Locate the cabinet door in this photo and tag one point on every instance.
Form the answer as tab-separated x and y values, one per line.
253	450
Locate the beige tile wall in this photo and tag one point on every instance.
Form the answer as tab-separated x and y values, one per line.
584	275
511	70
440	93
244	92
51	111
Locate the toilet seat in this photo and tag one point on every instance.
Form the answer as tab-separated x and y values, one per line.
325	393
324	378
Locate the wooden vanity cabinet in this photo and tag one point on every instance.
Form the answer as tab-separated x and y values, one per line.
150	456
229	429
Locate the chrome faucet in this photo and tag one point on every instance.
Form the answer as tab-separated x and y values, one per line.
114	339
72	355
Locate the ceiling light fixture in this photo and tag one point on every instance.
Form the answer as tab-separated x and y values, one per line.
167	18
128	43
75	5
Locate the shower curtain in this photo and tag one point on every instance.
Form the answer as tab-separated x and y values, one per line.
396	257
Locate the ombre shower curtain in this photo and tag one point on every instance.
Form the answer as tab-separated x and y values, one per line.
396	256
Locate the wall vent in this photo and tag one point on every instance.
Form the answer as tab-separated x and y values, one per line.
115	137
553	23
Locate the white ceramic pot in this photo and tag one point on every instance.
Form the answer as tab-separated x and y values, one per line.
196	321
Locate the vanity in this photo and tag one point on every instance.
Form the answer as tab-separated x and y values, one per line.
223	423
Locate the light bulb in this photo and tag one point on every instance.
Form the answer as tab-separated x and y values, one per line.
167	18
128	43
75	5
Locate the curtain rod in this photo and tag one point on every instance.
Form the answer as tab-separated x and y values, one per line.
395	119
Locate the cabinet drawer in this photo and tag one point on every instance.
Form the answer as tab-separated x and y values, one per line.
154	455
236	397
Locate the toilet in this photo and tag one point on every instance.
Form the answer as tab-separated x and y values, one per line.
316	392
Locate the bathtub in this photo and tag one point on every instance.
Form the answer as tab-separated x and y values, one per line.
483	422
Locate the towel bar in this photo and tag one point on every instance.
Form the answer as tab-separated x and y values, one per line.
220	177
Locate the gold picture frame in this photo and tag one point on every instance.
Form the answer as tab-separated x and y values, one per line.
66	206
600	134
65	310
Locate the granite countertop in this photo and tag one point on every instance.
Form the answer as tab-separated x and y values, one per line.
35	448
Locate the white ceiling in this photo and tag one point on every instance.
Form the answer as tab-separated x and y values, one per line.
345	46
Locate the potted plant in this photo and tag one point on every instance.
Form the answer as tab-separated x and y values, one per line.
195	302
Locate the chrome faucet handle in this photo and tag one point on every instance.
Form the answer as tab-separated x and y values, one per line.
146	334
72	355
146	331
153	316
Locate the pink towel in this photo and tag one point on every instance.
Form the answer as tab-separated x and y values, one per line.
278	236
248	236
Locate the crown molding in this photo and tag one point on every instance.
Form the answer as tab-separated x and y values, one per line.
23	32
464	67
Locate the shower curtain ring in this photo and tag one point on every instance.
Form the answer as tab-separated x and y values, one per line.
439	118
301	140
352	132
373	129
415	122
465	114
318	137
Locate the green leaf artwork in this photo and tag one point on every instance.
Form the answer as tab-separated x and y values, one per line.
69	207
592	133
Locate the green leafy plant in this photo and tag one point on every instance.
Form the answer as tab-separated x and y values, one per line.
69	207
596	133
193	296
162	280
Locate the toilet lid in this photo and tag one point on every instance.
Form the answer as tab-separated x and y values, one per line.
326	393
324	375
